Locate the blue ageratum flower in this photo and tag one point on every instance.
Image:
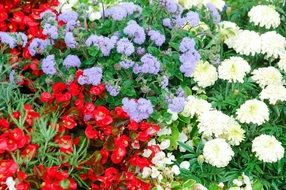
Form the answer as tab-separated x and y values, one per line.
49	65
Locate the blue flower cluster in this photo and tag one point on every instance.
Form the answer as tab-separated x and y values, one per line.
71	61
49	65
149	64
104	44
137	110
91	76
121	11
136	32
189	57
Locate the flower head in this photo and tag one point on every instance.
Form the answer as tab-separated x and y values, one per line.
150	64
265	76
264	16
91	76
48	65
125	47
267	148
253	111
136	32
217	152
71	61
137	110
205	74
233	69
69	40
272	44
38	46
274	93
157	37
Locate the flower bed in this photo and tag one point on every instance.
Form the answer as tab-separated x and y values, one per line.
142	95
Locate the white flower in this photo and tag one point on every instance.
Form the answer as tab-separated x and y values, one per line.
219	4
205	74
175	169
282	62
160	160
217	152
187	4
195	106
10	183
164	131
213	123
264	16
267	148
155	173
265	76
185	165
234	134
273	93
272	44
253	111
146	172
93	14
228	30
233	69
147	153
199	186
165	144
237	182
246	43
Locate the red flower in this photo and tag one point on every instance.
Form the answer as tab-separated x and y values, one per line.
120	113
68	122
97	90
3	14
133	125
102	116
118	154
59	87
30	151
4	125
3	143
91	133
66	143
74	89
104	156
140	162
7	168
89	108
18	17
46	97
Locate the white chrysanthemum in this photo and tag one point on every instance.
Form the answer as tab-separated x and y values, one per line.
228	30
267	148
213	123
195	106
282	62
246	43
219	4
253	111
272	44
205	74
234	134
273	93
264	16
233	69
187	4
217	152
265	76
